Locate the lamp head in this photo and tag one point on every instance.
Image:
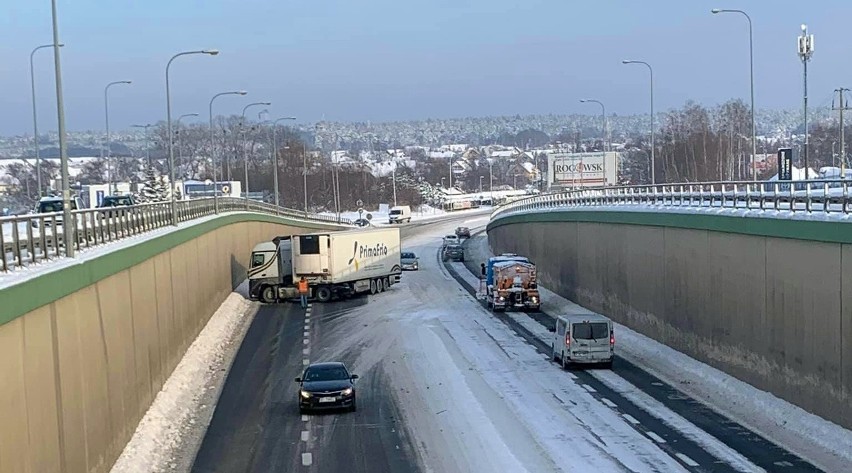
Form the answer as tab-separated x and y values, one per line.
626	61
583	100
241	92
715	10
212	52
804	28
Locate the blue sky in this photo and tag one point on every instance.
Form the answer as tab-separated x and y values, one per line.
385	60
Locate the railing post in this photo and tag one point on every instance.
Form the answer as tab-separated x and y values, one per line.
808	197
762	196
825	197
845	195
748	196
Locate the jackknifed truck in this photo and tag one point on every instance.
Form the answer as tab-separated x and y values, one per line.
335	264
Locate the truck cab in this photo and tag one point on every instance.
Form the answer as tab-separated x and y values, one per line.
270	271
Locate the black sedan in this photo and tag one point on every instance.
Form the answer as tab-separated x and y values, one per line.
454	253
463	232
327	386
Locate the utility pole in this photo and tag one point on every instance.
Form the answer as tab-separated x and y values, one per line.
806	50
305	174
842	108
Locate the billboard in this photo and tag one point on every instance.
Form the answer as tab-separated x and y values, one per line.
582	169
785	164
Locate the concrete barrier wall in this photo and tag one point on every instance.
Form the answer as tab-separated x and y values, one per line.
771	305
80	370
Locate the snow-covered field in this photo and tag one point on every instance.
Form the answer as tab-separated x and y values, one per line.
822	442
168	436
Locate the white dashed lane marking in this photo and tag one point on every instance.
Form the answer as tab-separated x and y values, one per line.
305	435
630	419
306	351
306	341
307	459
589	388
686	459
608	402
305	418
307	333
656	438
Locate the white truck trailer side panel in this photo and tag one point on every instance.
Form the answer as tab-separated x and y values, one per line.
350	256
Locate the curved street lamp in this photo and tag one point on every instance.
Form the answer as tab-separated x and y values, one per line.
751	64
651	70
213	147
177	136
110	173
209	52
245	152
35	116
275	160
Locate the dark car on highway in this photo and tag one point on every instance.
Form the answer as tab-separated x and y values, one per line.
454	253
327	385
463	232
117	205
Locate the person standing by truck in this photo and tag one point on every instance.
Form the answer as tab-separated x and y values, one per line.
303	292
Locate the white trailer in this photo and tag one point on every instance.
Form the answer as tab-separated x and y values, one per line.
336	264
349	262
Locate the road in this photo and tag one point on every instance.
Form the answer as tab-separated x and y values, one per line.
445	386
256	426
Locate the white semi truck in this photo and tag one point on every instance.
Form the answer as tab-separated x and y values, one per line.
336	264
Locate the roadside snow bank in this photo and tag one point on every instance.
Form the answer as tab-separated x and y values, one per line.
168	436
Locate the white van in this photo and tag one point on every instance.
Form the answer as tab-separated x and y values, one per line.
583	339
399	214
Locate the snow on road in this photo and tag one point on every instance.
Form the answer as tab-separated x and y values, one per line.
474	395
824	443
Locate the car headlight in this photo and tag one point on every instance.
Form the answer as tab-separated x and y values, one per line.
346	392
501	298
305	394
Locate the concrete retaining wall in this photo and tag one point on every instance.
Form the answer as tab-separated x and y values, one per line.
771	309
79	371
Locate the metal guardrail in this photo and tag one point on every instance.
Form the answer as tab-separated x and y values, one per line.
32	238
826	196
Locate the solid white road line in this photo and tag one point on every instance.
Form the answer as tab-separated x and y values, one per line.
608	402
686	459
307	459
305	435
656	437
589	388
630	419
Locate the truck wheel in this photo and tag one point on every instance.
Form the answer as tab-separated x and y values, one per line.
267	295
323	294
372	286
387	283
380	285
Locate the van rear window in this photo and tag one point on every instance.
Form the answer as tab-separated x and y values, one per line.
590	331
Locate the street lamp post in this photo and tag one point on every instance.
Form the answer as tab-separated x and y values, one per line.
177	137
603	119
275	155
35	117
147	142
106	119
480	183
210	52
245	152
213	147
806	50
69	228
651	70
751	69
